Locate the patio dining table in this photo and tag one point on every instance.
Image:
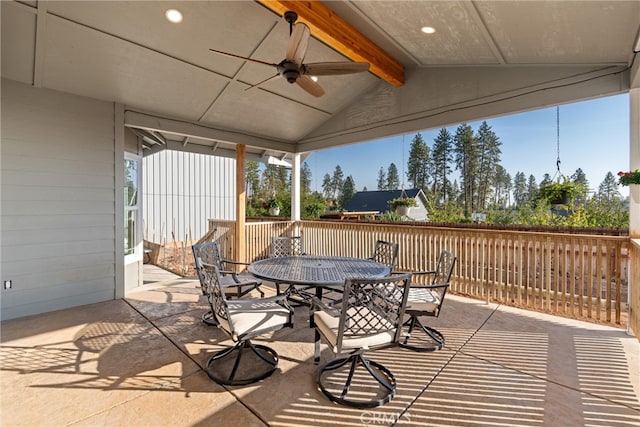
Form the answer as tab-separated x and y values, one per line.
316	271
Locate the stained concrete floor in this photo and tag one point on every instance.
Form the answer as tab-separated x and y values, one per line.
138	362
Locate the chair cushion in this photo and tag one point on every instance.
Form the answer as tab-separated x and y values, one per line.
253	317
422	299
328	326
230	286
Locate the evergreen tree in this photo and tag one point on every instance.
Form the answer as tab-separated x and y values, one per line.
501	187
466	160
440	161
337	180
252	179
608	189
326	186
580	178
393	179
305	179
418	163
382	180
520	189
489	158
532	188
546	179
348	190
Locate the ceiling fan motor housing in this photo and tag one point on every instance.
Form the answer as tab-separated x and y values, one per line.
289	71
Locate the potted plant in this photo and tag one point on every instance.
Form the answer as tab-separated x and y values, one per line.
402	204
274	206
628	178
560	192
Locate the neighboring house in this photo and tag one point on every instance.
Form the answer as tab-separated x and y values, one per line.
367	201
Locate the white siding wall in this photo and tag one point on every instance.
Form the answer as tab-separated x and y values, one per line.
57	215
182	191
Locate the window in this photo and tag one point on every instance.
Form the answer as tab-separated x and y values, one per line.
131	205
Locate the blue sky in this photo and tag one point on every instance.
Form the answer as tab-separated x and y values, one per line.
594	136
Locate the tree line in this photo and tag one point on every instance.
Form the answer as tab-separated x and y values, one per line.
460	173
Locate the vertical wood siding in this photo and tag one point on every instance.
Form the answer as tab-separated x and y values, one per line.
181	191
57	200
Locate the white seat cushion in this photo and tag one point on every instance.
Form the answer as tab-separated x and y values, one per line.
328	326
254	315
422	299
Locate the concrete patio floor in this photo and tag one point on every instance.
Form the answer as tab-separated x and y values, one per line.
138	362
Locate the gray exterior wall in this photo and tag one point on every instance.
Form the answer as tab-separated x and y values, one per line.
57	222
182	191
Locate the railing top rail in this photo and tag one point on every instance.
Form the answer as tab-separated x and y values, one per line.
414	226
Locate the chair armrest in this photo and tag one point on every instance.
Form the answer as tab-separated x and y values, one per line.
434	286
235	262
279	299
318	303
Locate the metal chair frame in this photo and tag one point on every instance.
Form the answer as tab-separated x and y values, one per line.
385	253
435	292
270	314
282	246
369	318
235	284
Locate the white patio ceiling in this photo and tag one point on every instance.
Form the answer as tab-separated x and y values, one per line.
486	58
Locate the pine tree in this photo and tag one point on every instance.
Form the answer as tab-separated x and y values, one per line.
348	190
608	189
382	180
520	189
501	187
327	186
337	180
466	160
440	161
418	163
393	179
252	178
489	158
305	179
580	178
532	188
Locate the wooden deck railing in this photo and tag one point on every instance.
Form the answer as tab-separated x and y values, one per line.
570	274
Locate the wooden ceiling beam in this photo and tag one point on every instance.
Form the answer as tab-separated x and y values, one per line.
338	34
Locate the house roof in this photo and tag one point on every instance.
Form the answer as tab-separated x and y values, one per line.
376	200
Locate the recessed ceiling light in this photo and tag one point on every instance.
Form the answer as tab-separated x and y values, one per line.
173	15
428	30
314	78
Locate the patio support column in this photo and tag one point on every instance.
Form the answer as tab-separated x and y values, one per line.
295	188
241	198
633	326
634	161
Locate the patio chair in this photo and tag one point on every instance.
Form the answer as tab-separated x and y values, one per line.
234	284
369	318
242	320
385	253
426	300
282	246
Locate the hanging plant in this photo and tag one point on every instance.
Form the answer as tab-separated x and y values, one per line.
559	193
628	178
402	201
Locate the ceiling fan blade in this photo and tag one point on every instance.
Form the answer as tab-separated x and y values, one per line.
335	68
244	58
310	86
264	81
298	42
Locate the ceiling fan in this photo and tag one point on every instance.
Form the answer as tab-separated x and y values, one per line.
292	67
